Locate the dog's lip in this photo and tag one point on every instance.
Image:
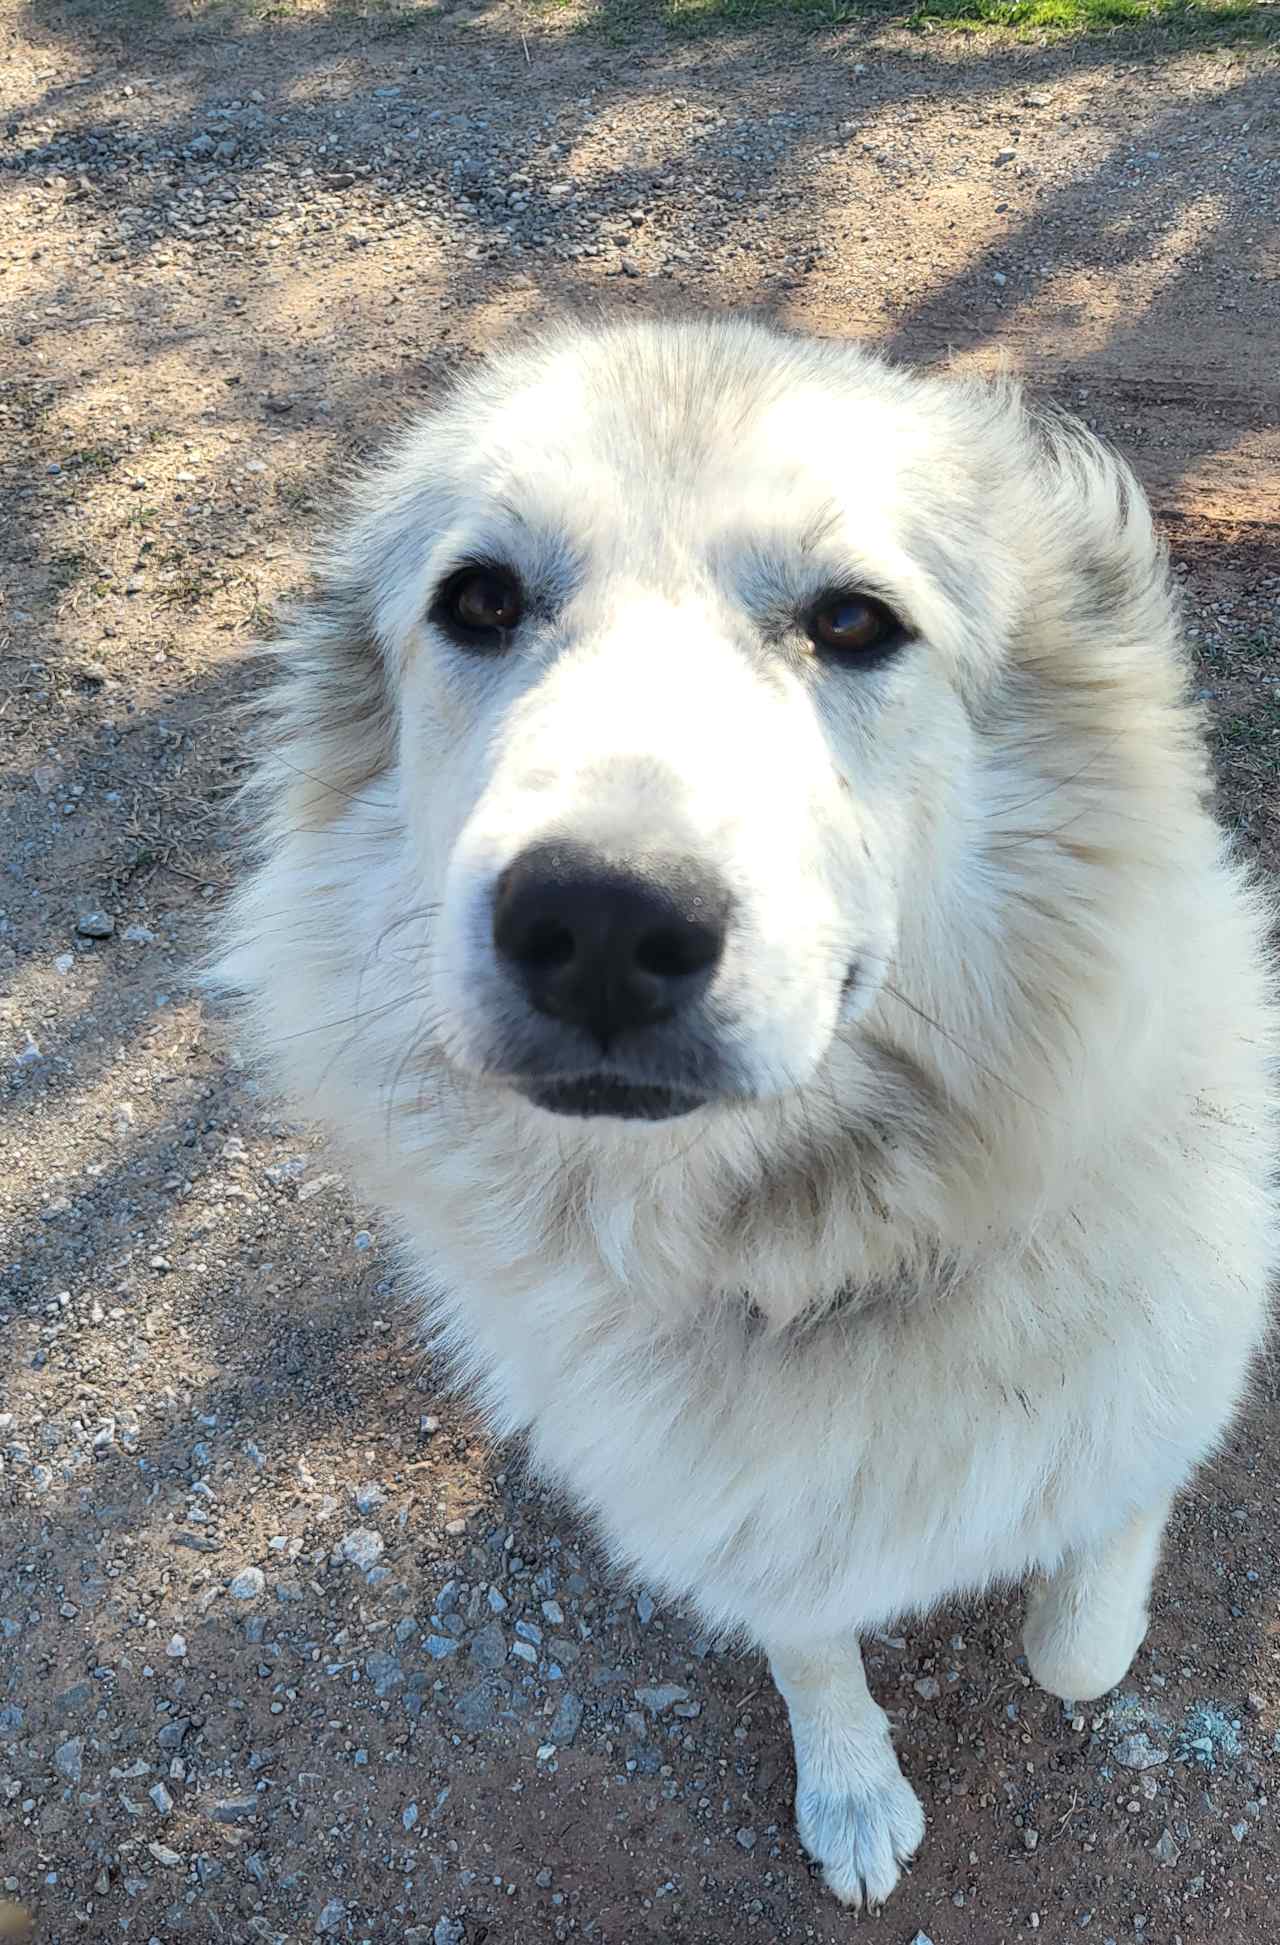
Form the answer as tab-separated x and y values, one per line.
595	1096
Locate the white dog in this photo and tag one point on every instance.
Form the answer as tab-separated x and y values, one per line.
736	880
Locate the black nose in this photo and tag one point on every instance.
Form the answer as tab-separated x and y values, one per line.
609	944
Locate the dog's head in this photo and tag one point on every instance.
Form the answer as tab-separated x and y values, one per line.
680	634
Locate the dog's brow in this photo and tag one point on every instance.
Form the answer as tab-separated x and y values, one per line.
506	506
545	556
819	527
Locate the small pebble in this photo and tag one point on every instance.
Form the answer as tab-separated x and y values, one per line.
1165	1850
362	1547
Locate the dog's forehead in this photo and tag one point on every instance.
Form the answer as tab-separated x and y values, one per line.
780	416
773	446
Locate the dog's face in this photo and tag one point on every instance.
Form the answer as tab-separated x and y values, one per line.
680	652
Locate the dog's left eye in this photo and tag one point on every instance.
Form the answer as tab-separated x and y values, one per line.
854	626
478	606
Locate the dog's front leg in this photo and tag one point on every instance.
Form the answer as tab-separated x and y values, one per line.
1086	1622
855	1811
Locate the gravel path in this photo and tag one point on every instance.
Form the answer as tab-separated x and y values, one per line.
286	1649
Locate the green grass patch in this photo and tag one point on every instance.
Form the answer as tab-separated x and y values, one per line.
1186	19
1181	21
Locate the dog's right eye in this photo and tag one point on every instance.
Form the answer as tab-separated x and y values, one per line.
479	606
854	628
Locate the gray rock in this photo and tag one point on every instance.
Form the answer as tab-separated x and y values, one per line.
489	1647
1164	1850
384	1671
362	1547
927	1688
474	1709
662	1697
174	1734
161	1798
95	924
247	1584
234	1809
745	1839
448	1931
566	1721
68	1758
369	1497
1139	1752
330	1919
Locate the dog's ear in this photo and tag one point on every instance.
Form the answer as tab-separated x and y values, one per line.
326	726
1098	577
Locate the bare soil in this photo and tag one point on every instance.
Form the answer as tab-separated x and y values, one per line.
234	253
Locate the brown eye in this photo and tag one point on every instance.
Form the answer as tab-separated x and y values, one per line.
480	605
854	625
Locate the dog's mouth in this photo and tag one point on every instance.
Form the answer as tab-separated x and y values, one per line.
591	1096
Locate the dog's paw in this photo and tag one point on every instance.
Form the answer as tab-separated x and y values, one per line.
1076	1647
861	1836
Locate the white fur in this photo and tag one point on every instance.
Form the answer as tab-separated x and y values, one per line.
962	1277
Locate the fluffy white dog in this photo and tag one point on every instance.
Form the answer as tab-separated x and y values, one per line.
736	880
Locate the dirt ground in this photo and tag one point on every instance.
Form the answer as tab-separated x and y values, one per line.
286	1650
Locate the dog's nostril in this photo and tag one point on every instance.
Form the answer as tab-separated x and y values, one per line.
606	944
674	954
547	944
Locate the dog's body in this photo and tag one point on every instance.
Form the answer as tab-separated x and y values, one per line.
737	884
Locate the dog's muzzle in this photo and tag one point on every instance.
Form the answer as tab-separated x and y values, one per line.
618	951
